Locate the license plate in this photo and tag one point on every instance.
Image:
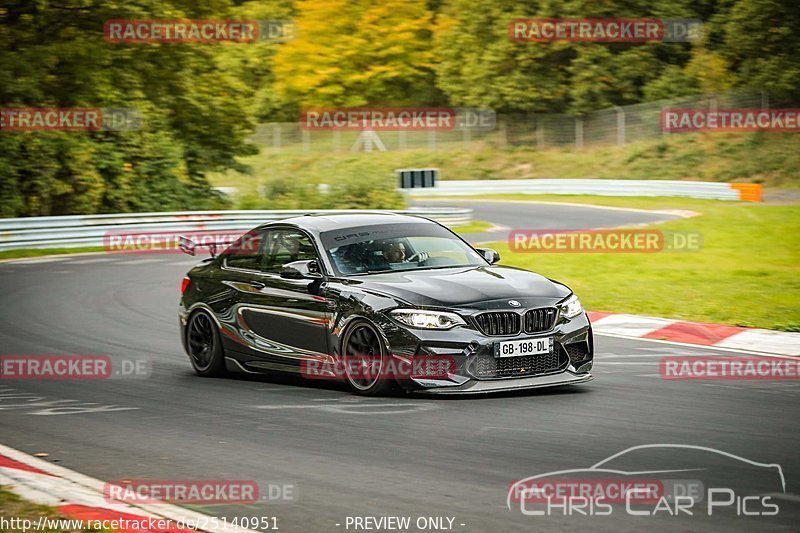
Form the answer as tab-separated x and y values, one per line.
522	347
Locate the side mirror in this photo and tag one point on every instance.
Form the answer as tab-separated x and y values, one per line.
308	269
490	255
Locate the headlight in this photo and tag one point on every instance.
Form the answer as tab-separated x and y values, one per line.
571	307
418	318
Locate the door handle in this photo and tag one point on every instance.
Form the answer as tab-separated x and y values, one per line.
257	285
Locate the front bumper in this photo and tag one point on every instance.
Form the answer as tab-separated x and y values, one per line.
477	369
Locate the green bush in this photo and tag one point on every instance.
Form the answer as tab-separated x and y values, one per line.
355	186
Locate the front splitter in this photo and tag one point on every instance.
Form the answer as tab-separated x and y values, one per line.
486	387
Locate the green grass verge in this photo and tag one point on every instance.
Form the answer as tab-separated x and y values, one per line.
39	252
747	273
768	158
13	507
476	226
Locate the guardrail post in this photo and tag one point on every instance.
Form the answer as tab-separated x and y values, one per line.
539	133
502	131
620	125
579	133
276	136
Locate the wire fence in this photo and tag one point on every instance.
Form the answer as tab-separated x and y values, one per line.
616	125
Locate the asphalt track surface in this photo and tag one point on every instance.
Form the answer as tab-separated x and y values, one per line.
545	216
352	456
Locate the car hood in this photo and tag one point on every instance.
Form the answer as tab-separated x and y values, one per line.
459	287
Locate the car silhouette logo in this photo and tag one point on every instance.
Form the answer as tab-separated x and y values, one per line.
513	303
608	467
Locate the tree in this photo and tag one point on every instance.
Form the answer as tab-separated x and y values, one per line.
761	41
52	54
480	66
358	53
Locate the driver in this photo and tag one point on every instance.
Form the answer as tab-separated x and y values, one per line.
395	252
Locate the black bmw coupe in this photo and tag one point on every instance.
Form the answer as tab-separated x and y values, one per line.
380	301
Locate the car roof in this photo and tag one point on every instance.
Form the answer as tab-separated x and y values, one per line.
327	222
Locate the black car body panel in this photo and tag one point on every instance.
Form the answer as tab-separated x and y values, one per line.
270	323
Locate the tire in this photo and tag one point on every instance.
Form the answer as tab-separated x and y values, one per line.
363	340
204	345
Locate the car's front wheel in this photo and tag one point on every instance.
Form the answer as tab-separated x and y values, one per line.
366	360
204	345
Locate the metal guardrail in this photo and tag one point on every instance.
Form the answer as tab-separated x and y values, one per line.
90	230
603	187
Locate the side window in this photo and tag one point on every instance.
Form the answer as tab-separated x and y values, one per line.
248	251
287	246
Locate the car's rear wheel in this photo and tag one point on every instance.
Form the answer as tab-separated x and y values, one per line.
365	360
204	345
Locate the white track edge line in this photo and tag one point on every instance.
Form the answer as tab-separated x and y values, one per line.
700	346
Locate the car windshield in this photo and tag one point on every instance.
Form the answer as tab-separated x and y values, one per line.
396	247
